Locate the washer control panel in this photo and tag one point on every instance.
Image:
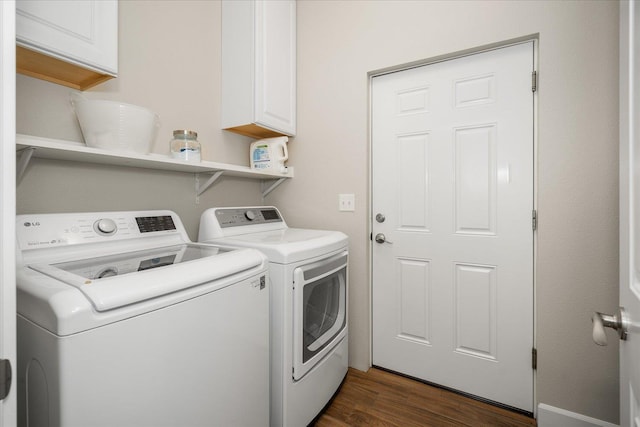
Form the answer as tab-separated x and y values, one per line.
49	230
235	217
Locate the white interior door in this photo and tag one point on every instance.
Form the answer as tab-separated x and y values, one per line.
7	203
630	211
452	155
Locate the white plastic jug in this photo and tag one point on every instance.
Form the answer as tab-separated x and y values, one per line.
269	154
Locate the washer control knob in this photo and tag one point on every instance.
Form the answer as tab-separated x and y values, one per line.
250	215
105	226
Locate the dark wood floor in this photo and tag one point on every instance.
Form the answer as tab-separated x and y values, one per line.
380	398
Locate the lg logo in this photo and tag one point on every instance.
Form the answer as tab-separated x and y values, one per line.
31	224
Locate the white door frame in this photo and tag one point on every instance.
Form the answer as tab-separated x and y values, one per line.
8	203
629	107
433	60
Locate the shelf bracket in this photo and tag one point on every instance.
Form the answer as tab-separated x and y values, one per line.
202	188
23	162
268	186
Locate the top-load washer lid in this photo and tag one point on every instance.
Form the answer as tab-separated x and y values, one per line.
121	279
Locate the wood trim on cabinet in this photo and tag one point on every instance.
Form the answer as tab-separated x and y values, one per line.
255	131
44	67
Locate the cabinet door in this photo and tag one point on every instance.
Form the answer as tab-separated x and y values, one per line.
275	85
81	32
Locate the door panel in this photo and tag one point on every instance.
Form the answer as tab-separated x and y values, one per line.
475	183
475	310
414	289
452	153
413	188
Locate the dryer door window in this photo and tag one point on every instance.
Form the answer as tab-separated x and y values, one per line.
320	314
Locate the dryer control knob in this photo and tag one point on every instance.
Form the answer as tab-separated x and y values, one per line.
250	215
105	226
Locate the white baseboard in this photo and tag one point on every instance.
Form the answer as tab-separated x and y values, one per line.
548	416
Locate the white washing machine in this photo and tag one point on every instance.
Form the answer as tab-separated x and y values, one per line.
122	321
309	298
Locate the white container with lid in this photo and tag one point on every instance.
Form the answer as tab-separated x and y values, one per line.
185	145
269	154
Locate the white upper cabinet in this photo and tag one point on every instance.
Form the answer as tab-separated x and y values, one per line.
259	67
69	42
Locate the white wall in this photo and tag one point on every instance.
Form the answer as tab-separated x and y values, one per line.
170	62
339	42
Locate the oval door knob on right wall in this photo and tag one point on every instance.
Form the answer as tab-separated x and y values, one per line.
617	322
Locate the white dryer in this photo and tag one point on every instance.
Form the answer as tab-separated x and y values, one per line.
309	299
122	321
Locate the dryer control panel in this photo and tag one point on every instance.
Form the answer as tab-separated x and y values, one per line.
216	223
234	217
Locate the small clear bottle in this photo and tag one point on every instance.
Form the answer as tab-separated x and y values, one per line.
185	145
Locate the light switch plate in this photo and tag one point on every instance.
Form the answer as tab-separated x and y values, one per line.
346	202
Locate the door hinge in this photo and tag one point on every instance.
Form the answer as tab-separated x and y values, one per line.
534	358
534	219
534	81
5	378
